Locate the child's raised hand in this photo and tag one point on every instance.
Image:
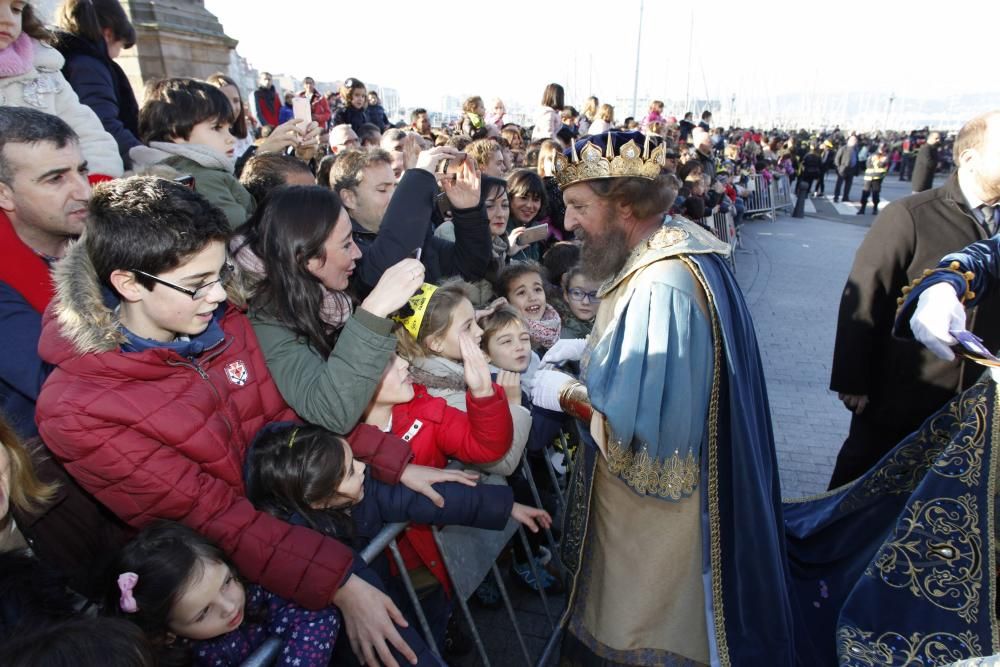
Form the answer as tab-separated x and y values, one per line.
477	371
532	517
511	383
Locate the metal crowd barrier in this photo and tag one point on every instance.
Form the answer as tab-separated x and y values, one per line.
724	227
769	196
268	652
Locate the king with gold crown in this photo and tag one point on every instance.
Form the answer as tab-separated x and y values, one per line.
678	456
679	547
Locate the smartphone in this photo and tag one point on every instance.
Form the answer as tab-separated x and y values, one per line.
301	109
416	253
533	234
187	180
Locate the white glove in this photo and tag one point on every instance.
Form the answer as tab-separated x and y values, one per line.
569	349
938	311
548	387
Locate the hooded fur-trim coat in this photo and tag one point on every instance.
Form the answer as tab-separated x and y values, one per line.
154	435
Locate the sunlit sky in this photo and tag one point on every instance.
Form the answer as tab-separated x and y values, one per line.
513	49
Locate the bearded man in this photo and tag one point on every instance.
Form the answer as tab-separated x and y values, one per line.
674	535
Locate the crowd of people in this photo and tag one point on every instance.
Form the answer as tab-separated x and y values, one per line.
242	337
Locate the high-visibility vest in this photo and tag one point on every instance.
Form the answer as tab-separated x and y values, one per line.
878	166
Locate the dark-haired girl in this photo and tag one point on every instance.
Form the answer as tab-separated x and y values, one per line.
188	598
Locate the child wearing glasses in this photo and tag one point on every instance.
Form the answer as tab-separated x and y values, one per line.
578	306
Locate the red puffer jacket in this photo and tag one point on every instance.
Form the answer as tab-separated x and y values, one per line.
154	435
438	432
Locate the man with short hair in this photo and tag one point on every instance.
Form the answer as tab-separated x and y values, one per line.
267	102
266	171
44	192
891	385
343	137
391	223
846	164
657	460
421	124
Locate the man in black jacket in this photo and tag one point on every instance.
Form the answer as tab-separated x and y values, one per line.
892	385
846	163
392	222
926	164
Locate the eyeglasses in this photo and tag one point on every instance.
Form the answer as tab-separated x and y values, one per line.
580	295
199	292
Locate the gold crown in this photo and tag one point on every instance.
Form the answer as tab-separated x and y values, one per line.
418	303
593	163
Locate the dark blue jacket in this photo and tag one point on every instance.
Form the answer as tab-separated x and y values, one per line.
102	85
377	115
349	115
406	226
22	372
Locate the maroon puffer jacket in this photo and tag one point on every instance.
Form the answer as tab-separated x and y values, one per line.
154	436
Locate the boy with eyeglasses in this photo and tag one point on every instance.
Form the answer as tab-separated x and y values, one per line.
159	386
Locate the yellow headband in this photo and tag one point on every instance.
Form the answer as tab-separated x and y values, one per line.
418	303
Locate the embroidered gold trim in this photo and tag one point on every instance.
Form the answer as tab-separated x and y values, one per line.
673	478
937	556
714	520
858	648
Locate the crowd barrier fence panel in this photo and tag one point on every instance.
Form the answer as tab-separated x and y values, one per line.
723	225
783	195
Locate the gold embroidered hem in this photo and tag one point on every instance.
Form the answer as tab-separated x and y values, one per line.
673	478
641	593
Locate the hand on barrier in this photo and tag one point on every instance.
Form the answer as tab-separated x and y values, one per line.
547	388
531	517
567	349
370	619
421	478
938	311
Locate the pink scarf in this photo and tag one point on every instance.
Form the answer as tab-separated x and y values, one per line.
545	332
17	58
336	306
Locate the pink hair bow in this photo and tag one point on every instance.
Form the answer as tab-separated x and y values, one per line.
126	584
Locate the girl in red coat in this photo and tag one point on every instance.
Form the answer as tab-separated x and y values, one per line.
438	432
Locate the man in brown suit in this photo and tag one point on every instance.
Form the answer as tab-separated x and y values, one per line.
892	385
